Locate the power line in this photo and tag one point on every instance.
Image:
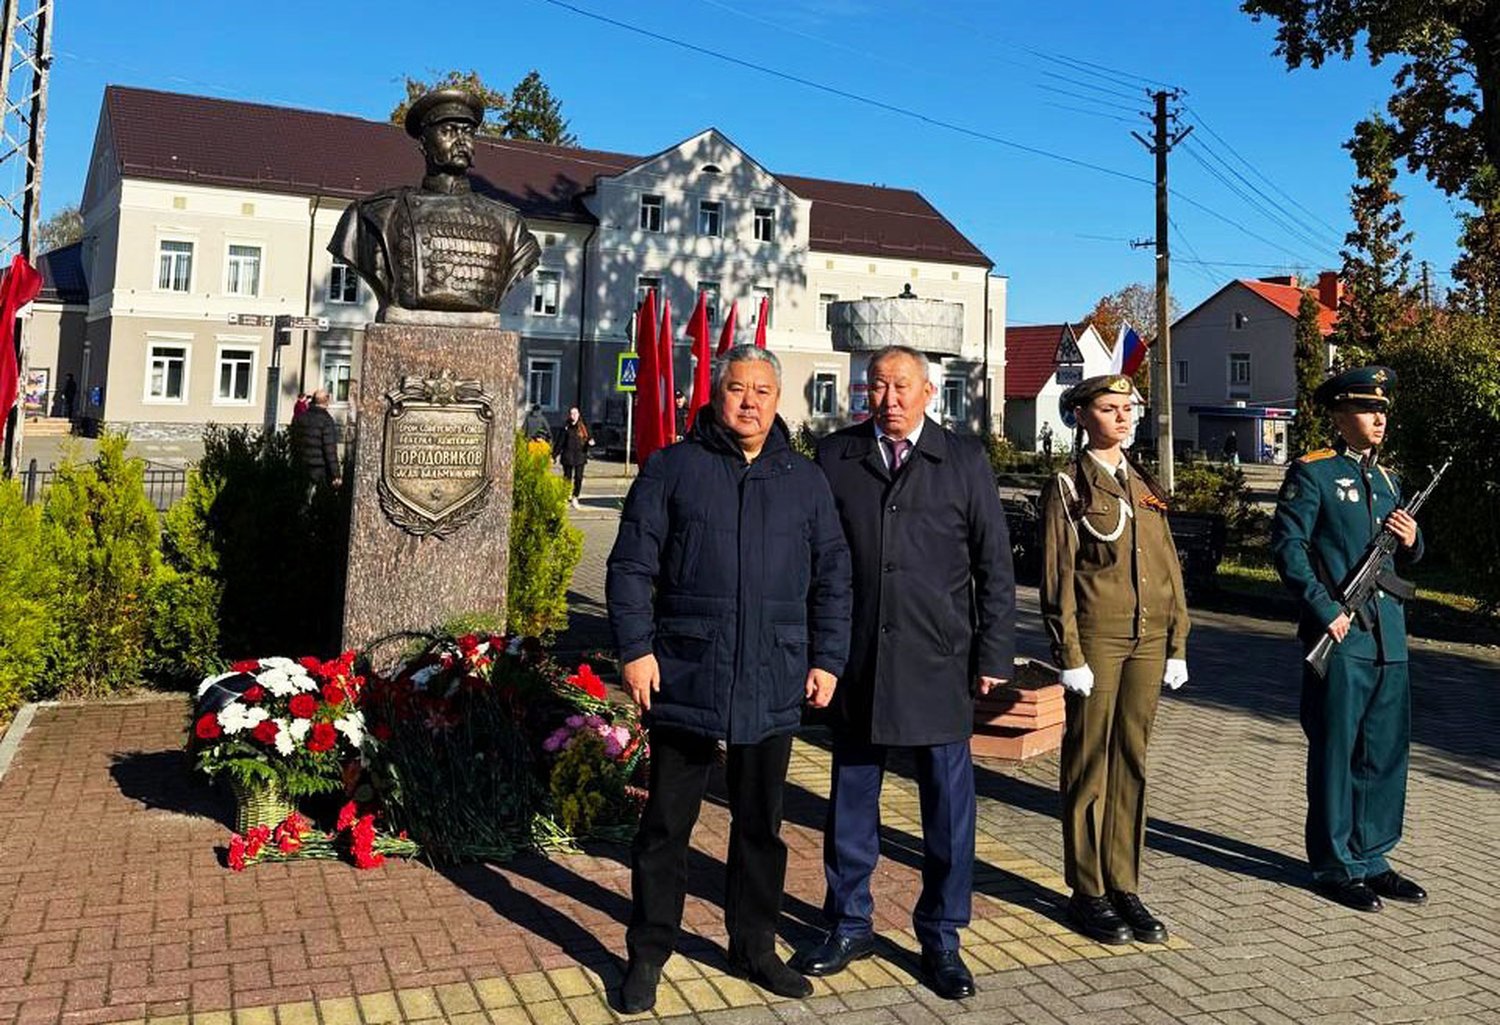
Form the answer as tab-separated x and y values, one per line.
1085	97
1260	174
1094	113
1100	70
1090	85
1308	230
1291	229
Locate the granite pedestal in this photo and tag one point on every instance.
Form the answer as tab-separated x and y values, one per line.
432	483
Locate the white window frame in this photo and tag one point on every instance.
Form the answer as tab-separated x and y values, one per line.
756	291
651	203
539	280
168	341
337	289
1239	321
962	388
230	261
1239	388
549	405
249	344
713	300
714	209
1180	373
831	379
825	300
342	356
641	289
162	253
769	222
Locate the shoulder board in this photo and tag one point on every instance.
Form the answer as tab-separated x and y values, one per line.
1318	454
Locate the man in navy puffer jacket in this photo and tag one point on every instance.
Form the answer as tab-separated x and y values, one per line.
728	596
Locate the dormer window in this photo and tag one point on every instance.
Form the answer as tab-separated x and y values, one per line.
711	169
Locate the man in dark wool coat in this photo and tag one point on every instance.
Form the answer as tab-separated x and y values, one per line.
934	621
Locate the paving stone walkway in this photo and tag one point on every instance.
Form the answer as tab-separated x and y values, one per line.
114	905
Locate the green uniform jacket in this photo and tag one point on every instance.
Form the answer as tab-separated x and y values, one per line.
1090	582
1330	508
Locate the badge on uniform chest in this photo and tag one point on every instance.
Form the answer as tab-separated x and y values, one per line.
1345	490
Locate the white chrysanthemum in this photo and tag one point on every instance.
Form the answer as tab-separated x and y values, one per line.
305	682
232	718
278	662
298	729
284	743
256	716
278	682
203	687
352	726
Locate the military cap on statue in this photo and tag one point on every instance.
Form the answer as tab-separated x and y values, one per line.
443	105
1361	387
1090	388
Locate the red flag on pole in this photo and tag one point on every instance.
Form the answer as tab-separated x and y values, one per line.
664	341
760	322
726	334
647	382
698	332
21	285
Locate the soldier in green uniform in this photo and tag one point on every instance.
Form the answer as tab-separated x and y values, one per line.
1357	719
1113	604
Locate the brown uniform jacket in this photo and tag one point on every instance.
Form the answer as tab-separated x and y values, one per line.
1093	586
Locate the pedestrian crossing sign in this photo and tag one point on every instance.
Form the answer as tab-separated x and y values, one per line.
625	370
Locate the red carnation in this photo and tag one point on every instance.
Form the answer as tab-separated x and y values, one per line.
381	732
253	693
265	731
322	737
311	664
248	665
347	814
303	706
255	839
208	727
237	853
334	694
467	643
588	681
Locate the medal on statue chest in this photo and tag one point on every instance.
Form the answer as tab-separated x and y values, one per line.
457	250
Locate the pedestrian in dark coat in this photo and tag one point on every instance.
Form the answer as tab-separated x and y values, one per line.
728	595
934	611
317	440
571	450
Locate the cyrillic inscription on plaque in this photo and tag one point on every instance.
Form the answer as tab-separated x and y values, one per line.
434	473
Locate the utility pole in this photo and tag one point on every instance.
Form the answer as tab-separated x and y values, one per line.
1161	143
25	57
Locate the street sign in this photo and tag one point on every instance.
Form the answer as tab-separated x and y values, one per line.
625	371
252	320
1071	373
288	323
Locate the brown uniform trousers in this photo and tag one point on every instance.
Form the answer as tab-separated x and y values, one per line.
1112	598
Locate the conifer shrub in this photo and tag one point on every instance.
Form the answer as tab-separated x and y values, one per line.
26	627
544	547
185	616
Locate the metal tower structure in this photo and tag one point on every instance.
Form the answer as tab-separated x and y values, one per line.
25	57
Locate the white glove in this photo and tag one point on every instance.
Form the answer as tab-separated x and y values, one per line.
1176	674
1080	680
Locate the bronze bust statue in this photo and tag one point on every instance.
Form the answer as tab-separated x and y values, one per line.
439	252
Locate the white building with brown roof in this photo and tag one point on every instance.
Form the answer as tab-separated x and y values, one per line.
201	211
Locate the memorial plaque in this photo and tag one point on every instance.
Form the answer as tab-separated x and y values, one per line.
435	454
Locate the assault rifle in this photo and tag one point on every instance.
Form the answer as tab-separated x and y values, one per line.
1369	575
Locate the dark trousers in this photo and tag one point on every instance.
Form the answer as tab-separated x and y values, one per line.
574	474
851	842
1103	767
1358	726
756	776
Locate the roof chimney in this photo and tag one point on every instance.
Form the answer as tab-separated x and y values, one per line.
1330	289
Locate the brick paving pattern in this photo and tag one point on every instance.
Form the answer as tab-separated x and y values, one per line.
114	905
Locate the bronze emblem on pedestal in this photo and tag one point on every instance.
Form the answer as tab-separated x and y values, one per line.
434	472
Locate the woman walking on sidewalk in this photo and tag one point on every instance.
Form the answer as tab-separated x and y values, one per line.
571	449
1113	604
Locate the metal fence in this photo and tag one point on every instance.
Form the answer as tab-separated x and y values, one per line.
163	487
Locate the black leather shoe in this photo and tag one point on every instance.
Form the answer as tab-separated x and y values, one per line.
1393	886
638	991
770	972
946	974
1145	926
1097	919
834	954
1352	893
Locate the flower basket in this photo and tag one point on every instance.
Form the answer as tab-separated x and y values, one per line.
259	804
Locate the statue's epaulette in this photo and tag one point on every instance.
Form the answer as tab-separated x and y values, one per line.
1318	454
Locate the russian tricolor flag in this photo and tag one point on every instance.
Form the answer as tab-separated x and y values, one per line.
1130	350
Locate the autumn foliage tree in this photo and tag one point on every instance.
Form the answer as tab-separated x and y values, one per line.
1310	359
1135	303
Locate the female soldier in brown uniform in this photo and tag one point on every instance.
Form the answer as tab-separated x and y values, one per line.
1113	604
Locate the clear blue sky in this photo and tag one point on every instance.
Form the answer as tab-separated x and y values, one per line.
1058	231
